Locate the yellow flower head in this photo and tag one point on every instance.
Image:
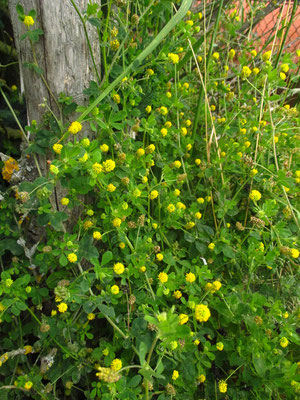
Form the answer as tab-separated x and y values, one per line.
28	20
111	188
104	148
116	98
72	257
177	164
119	268
284	67
84	158
28	349
183	319
174	58
116	222
231	54
246	72
255	195
75	127
116	364
57	148
267	55
148	109
140	152
54	169
222	386
189	225
65	201
294	253
150	149
202	312
177	294
220	346
150	72
163	277
97	235
253	53
91	316
115	289
85	142
108	165
176	192
216	56
255	71
175	375
97	168
284	342
164	132
28	385
201	378
190	277
153	195
163	110
211	246
171	208
62	307
114	44
183	131
159	256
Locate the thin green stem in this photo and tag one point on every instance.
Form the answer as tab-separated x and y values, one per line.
87	39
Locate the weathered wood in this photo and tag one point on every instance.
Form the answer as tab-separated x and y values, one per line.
62	52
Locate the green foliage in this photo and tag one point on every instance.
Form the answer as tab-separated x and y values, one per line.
151	263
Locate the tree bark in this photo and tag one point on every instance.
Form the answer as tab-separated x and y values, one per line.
62	52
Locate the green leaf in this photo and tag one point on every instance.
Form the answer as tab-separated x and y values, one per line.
56	220
95	22
106	258
11	245
134	381
260	366
106	310
63	260
143	348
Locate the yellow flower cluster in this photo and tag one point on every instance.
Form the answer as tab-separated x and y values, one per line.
75	127
119	268
222	386
28	20
115	289
62	307
153	195
255	195
174	58
213	287
163	277
57	148
108	375
202	312
72	257
116	364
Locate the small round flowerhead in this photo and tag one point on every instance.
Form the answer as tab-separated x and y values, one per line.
198	215
150	149
164	132
28	349
201	378
122	245
246	72
140	152
28	20
119	268
253	53
217	285
174	58
177	164
97	168
116	98
54	169
163	110
169	95
84	158
163	277
222	386
65	201
150	72
284	67
294	253
114	44
220	346
116	222
231	54
148	109
176	192
91	316
282	76
115	289
159	256
168	124
253	172
143	268
153	195
28	385
75	127
200	200
108	165
62	307
254	195
267	55
116	364
190	277
175	375
111	188
284	342
97	235
57	148
216	56
211	246
177	294
183	319
202	312
183	131
137	193
171	208
72	257
104	148
255	71
189	225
